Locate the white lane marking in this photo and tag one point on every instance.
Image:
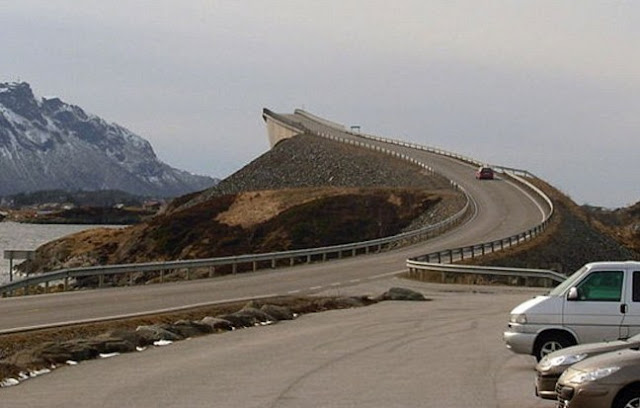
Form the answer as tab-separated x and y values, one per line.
336	284
355	280
387	274
291	292
529	196
315	287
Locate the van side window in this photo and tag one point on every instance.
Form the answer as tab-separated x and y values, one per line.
603	286
636	286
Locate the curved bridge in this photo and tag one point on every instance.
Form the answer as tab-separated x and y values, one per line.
441	353
503	208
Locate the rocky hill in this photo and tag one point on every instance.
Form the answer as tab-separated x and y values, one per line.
305	192
310	161
48	144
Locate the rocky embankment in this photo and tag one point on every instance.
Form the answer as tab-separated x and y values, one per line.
23	356
574	238
311	161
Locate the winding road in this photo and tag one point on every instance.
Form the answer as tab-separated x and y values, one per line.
447	352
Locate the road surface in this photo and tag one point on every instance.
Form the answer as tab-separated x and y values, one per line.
444	353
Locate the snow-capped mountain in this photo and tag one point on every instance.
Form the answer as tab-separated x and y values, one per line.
48	144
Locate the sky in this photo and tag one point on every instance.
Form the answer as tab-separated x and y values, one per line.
550	86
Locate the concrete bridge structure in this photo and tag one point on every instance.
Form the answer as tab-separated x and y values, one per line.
285	126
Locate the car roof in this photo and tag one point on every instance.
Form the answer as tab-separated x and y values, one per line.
613	264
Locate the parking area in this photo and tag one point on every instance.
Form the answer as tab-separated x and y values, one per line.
444	352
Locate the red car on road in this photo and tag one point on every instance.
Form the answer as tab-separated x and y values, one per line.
484	173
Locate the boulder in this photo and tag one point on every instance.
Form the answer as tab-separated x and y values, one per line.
238	321
247	317
401	294
52	353
259	314
108	344
343	302
278	312
153	333
130	336
217	324
186	328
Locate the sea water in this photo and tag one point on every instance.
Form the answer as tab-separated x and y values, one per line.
17	236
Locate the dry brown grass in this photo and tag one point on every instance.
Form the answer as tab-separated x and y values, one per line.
255	207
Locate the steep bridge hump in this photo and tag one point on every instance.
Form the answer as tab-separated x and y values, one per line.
280	127
307	115
284	126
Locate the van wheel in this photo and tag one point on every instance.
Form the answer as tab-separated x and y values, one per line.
548	343
629	398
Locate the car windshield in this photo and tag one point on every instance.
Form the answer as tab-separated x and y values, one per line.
569	282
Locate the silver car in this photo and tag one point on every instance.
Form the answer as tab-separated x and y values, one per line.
610	380
549	369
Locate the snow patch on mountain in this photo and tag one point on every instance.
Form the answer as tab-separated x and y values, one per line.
47	144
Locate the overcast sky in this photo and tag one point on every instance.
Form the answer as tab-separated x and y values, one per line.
548	86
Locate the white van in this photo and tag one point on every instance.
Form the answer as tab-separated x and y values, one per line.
599	302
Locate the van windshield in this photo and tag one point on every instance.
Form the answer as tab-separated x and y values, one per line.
569	282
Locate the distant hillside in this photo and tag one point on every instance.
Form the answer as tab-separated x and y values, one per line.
100	198
48	144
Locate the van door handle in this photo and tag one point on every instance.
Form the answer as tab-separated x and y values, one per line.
623	308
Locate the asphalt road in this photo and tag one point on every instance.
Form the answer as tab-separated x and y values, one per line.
444	353
503	210
447	352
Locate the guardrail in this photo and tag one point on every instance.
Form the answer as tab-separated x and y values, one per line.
482	274
438	265
447	272
233	263
297	256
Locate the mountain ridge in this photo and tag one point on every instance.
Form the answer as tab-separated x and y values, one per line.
49	144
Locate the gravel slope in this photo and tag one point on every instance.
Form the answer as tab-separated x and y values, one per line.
311	161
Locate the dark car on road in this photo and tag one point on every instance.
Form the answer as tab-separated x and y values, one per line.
484	173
